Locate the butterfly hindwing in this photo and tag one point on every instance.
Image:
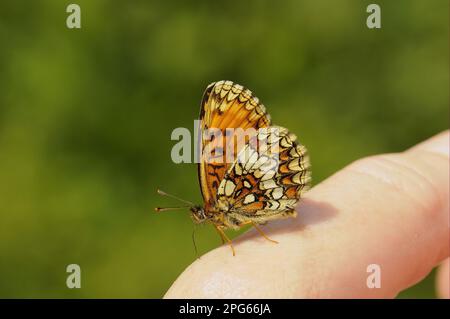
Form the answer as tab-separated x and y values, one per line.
266	182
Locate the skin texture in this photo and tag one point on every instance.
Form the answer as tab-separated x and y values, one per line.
391	210
442	280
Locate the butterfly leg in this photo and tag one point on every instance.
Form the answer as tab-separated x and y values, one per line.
262	233
225	238
221	233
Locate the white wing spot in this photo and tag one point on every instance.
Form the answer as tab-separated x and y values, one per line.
268	184
250	198
229	187
238	169
268	175
277	193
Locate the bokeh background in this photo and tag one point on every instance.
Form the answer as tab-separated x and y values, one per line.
86	117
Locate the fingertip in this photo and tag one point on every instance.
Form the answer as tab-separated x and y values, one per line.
439	144
442	280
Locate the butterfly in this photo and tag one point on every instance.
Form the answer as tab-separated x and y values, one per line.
248	178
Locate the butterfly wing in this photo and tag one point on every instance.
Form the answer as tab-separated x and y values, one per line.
265	183
224	105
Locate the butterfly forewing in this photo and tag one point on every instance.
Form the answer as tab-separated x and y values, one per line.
225	106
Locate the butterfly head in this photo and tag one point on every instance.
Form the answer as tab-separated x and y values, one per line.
198	214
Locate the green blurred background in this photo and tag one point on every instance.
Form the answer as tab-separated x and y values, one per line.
86	117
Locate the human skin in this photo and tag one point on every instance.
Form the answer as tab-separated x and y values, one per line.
391	210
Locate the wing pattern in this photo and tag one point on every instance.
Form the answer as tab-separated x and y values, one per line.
265	183
225	105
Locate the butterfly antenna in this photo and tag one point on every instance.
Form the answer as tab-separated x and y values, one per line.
160	192
163	209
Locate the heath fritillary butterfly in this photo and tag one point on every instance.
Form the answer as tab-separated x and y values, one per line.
268	171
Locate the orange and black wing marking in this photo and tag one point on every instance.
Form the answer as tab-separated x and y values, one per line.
265	183
224	105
